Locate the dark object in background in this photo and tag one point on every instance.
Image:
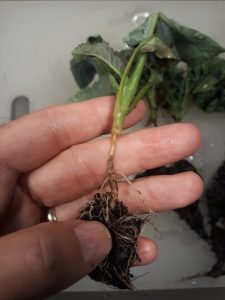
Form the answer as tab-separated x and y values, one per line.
215	196
192	213
20	107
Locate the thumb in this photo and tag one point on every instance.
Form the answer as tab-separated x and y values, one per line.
44	259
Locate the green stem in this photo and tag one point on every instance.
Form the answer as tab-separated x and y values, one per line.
129	86
117	109
113	82
154	79
125	96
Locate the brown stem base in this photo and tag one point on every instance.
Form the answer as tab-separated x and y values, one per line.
112	180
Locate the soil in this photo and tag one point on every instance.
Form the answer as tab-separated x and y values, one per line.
215	196
125	230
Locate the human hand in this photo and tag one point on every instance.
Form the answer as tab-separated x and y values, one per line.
49	159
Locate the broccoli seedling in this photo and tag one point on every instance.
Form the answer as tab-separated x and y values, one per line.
147	69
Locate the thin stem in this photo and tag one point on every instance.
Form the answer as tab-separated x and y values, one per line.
153	24
113	82
155	78
127	69
141	94
132	86
127	89
113	144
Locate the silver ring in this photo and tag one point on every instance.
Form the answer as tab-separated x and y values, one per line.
51	215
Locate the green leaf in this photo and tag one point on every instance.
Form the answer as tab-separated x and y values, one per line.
124	55
208	85
93	39
174	93
213	101
192	46
102	87
83	72
185	43
139	34
102	52
205	76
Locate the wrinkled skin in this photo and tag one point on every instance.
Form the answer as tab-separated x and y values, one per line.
51	158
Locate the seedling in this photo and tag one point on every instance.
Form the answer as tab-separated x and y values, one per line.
149	68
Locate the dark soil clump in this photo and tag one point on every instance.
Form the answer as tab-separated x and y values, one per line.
215	196
125	230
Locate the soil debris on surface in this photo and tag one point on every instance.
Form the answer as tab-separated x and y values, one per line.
125	230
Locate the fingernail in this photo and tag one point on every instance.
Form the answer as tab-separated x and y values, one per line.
95	241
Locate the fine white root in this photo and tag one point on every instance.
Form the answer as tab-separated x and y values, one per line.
138	193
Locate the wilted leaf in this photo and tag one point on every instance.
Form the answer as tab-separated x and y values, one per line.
192	46
174	93
170	42
139	34
102	52
213	101
93	39
188	44
208	85
205	76
124	55
83	72
156	46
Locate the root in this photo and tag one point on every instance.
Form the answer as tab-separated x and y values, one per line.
111	174
125	230
138	193
105	182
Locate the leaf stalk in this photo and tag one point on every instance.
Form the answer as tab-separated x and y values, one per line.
127	98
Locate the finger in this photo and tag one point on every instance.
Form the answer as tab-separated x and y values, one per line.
161	193
82	169
30	141
7	184
49	257
21	213
144	195
155	195
146	250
